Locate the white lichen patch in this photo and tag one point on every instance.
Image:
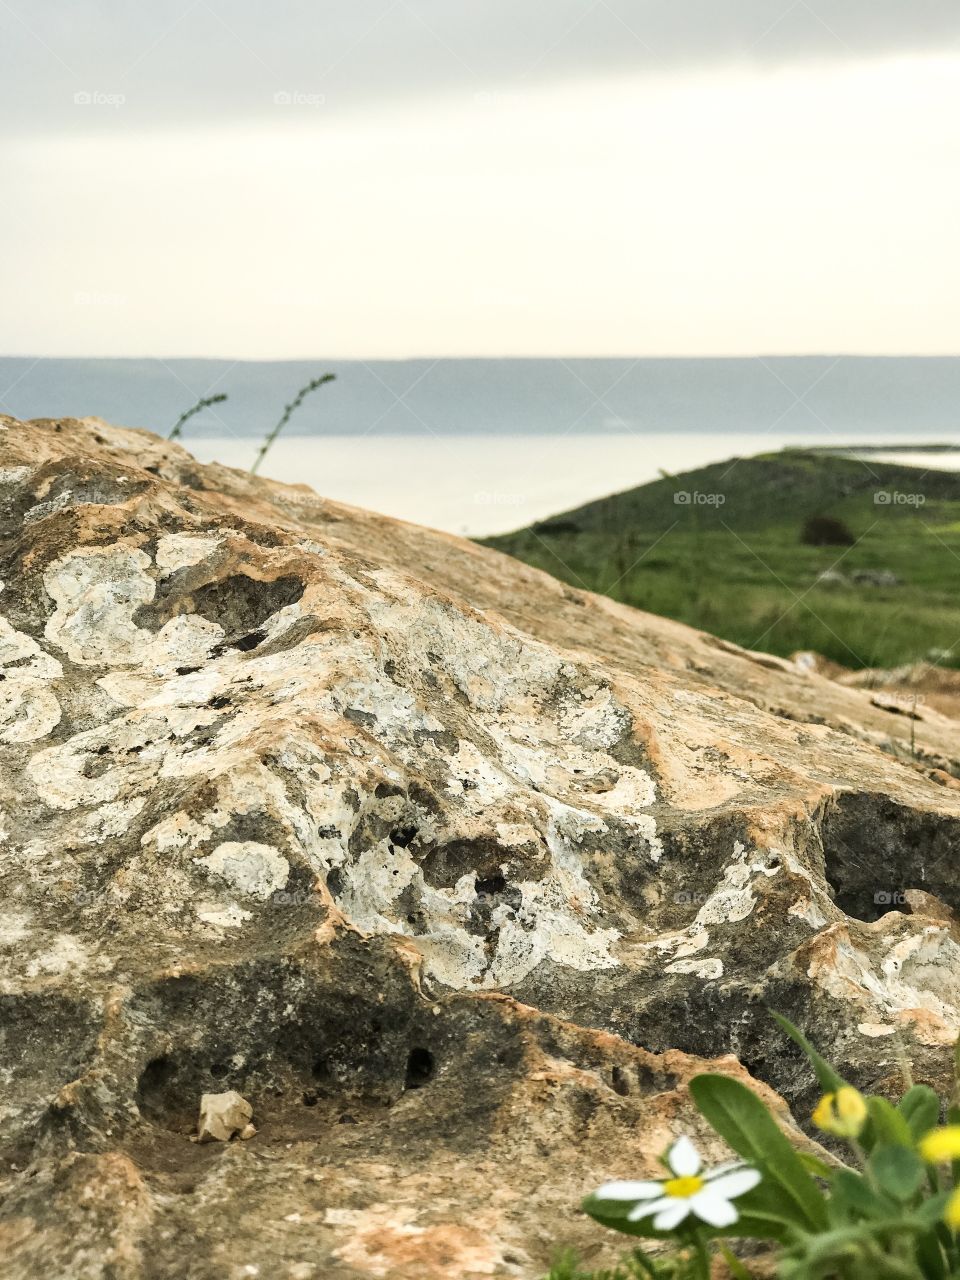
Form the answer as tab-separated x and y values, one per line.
28	712
815	907
914	980
96	767
14	929
474	779
182	643
491	666
555	922
66	954
248	866
179	831
21	657
710	969
551	919
735	898
181	550
691	942
372	885
222	915
922	971
96	592
106	822
29	709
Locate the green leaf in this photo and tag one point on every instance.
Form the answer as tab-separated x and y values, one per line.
828	1079
746	1125
819	1168
887	1126
734	1265
930	1256
930	1211
852	1200
920	1107
647	1265
897	1171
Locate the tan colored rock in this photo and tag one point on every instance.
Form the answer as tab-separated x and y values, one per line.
922	691
222	1115
456	874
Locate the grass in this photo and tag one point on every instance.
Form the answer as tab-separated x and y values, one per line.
738	568
674	1265
567	1267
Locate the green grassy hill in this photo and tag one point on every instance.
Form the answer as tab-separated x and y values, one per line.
722	548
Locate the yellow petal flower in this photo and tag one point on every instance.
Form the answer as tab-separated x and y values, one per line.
823	1113
941	1144
843	1113
852	1109
951	1214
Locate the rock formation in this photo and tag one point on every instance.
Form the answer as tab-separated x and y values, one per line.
454	873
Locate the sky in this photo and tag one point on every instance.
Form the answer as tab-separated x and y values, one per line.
398	178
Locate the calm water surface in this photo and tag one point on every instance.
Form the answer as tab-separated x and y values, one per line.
483	485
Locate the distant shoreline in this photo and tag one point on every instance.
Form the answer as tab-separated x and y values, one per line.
880	448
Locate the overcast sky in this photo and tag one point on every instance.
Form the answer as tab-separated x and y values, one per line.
486	177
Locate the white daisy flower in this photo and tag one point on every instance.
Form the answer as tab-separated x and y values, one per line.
705	1195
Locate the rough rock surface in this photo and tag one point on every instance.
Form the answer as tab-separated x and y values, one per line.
453	872
913	690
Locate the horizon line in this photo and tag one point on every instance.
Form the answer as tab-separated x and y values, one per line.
409	359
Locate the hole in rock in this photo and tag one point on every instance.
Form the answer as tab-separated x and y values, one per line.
491	885
242	604
419	1068
156	1076
218	1070
160	1098
403	836
444	865
239	604
621	1081
875	849
248	642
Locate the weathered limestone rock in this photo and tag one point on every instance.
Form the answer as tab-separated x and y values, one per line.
918	690
454	873
223	1116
